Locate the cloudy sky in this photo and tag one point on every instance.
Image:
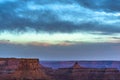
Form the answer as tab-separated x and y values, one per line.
60	29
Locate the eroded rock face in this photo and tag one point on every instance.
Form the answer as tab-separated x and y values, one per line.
8	65
22	69
76	72
31	69
111	74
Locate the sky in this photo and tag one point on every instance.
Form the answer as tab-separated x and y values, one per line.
60	29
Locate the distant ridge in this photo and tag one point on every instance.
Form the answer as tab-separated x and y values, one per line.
88	64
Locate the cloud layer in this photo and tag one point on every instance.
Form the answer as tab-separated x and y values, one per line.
60	17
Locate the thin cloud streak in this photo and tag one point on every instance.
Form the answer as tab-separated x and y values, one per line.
57	38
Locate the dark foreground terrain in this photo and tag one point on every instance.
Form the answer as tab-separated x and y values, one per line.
31	69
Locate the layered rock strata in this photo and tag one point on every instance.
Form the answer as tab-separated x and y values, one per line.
21	69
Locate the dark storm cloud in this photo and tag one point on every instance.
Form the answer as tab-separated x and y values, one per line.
59	16
107	5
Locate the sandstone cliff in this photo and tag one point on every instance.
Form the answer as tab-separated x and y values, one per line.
31	69
21	69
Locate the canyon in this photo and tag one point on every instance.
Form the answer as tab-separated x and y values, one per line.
32	69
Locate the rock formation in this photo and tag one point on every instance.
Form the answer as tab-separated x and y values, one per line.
31	69
8	65
76	72
22	69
